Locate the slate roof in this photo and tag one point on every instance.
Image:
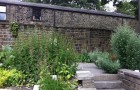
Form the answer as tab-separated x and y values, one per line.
69	9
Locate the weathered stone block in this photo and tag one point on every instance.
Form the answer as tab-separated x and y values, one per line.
88	84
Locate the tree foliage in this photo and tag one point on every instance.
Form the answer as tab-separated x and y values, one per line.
130	8
86	4
126	8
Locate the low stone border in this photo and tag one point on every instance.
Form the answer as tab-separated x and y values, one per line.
130	79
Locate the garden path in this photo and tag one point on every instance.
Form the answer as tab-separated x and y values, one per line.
90	67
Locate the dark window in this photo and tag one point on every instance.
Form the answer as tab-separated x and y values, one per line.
2	12
36	14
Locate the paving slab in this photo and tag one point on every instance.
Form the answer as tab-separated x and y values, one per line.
90	67
84	75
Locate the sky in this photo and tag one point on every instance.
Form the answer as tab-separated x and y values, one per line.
109	6
126	0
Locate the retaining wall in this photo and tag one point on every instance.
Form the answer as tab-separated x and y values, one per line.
130	79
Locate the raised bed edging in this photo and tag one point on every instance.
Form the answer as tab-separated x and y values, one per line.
130	79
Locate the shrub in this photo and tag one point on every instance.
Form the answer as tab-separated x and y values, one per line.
84	57
103	60
93	56
97	55
102	56
126	44
10	77
110	66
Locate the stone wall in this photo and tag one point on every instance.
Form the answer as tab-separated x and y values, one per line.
130	79
66	19
89	29
5	35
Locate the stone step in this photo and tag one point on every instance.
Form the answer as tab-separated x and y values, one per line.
111	89
108	84
84	75
86	89
106	77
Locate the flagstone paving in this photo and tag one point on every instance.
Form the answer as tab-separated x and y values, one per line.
90	67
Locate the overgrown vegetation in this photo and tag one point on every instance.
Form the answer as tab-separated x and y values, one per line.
36	56
29	52
36	53
126	44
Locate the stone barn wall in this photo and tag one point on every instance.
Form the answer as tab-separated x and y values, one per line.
89	29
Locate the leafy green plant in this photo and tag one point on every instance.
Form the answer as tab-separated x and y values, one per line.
10	77
14	29
47	83
66	72
6	56
61	83
84	56
126	45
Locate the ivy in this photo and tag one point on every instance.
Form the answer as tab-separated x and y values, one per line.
14	27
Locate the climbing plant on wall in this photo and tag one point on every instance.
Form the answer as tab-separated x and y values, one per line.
14	27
